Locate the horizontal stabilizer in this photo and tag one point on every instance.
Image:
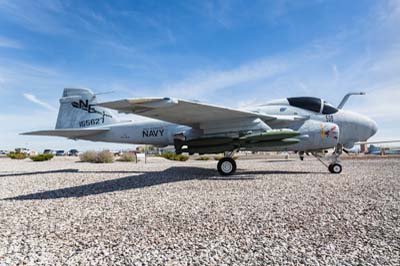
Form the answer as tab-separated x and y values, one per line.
68	133
379	142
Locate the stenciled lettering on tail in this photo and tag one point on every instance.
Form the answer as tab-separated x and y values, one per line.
93	121
85	106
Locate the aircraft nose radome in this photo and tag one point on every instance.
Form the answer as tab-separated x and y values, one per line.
374	127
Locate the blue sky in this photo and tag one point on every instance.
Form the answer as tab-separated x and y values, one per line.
232	53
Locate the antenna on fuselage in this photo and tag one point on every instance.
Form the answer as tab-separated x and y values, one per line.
346	97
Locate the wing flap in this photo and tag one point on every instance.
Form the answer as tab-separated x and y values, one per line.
68	133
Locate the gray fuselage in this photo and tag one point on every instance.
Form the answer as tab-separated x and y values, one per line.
351	127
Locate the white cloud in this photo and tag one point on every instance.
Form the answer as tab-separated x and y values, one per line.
335	71
382	103
9	43
50	17
17	72
33	15
2	82
203	83
34	99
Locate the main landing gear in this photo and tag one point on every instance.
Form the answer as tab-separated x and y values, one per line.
227	165
334	167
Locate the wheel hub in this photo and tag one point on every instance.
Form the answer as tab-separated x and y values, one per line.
226	167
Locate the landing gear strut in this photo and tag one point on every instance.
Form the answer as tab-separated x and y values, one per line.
227	165
301	155
334	167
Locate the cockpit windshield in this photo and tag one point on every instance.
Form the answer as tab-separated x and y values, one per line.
312	104
328	109
308	103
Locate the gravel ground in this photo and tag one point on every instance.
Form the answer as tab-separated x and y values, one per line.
272	212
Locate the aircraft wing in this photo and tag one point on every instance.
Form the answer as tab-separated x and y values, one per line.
180	111
379	142
68	133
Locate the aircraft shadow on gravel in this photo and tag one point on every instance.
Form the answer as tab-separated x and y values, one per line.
144	179
41	172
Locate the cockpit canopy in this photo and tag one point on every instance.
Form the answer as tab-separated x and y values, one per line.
328	109
312	104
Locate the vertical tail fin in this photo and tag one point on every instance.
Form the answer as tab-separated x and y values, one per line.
78	110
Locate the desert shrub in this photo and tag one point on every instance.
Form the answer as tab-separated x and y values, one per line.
167	155
17	155
218	157
203	158
97	157
42	157
174	157
105	157
181	157
127	157
88	156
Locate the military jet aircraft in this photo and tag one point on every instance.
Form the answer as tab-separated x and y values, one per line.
300	124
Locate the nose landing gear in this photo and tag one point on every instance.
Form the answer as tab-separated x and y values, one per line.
334	167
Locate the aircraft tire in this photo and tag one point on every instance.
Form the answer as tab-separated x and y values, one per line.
226	166
335	168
